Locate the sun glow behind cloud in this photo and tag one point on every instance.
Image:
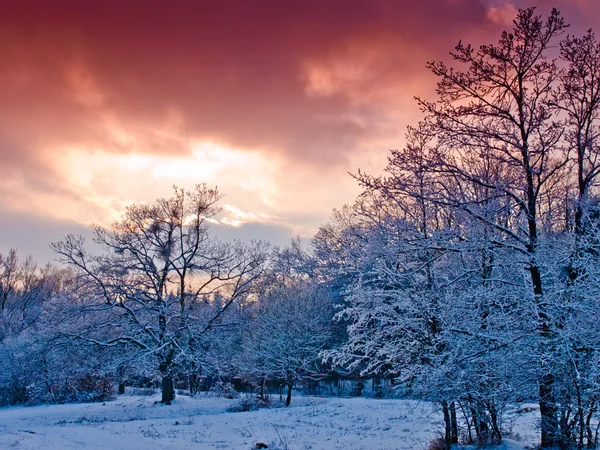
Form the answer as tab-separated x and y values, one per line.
273	103
111	181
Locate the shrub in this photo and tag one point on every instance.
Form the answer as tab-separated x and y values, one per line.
224	389
437	444
249	403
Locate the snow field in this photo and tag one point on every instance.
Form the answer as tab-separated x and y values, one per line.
135	422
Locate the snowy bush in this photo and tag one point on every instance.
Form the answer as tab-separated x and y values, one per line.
34	371
249	403
224	389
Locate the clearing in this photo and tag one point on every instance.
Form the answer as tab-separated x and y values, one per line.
203	422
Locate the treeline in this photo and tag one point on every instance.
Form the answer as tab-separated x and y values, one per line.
165	305
468	274
472	265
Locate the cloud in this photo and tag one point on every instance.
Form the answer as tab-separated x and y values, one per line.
231	72
108	103
31	234
503	14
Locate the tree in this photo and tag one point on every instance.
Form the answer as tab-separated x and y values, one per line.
458	253
577	97
8	276
498	109
24	288
162	281
290	325
38	364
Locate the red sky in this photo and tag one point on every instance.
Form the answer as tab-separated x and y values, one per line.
104	103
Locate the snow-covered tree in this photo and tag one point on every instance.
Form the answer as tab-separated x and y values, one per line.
469	254
291	323
162	281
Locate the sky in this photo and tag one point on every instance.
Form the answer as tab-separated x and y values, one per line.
108	103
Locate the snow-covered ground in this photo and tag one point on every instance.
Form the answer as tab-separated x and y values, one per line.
135	422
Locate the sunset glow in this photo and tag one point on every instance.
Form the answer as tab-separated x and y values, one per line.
104	104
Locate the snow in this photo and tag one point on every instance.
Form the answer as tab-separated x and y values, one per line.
136	422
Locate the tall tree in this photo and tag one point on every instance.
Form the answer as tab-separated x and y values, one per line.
577	97
9	276
159	278
290	324
498	108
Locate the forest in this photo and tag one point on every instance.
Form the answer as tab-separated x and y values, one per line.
467	274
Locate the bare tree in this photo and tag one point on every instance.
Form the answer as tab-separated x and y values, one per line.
577	97
157	281
9	276
499	109
290	325
24	288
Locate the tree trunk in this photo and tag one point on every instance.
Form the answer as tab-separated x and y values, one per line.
193	381
546	384
454	424
476	423
288	398
121	390
496	435
447	425
262	392
547	411
377	387
588	428
168	390
467	421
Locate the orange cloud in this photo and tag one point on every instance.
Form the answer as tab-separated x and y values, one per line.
502	15
106	103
